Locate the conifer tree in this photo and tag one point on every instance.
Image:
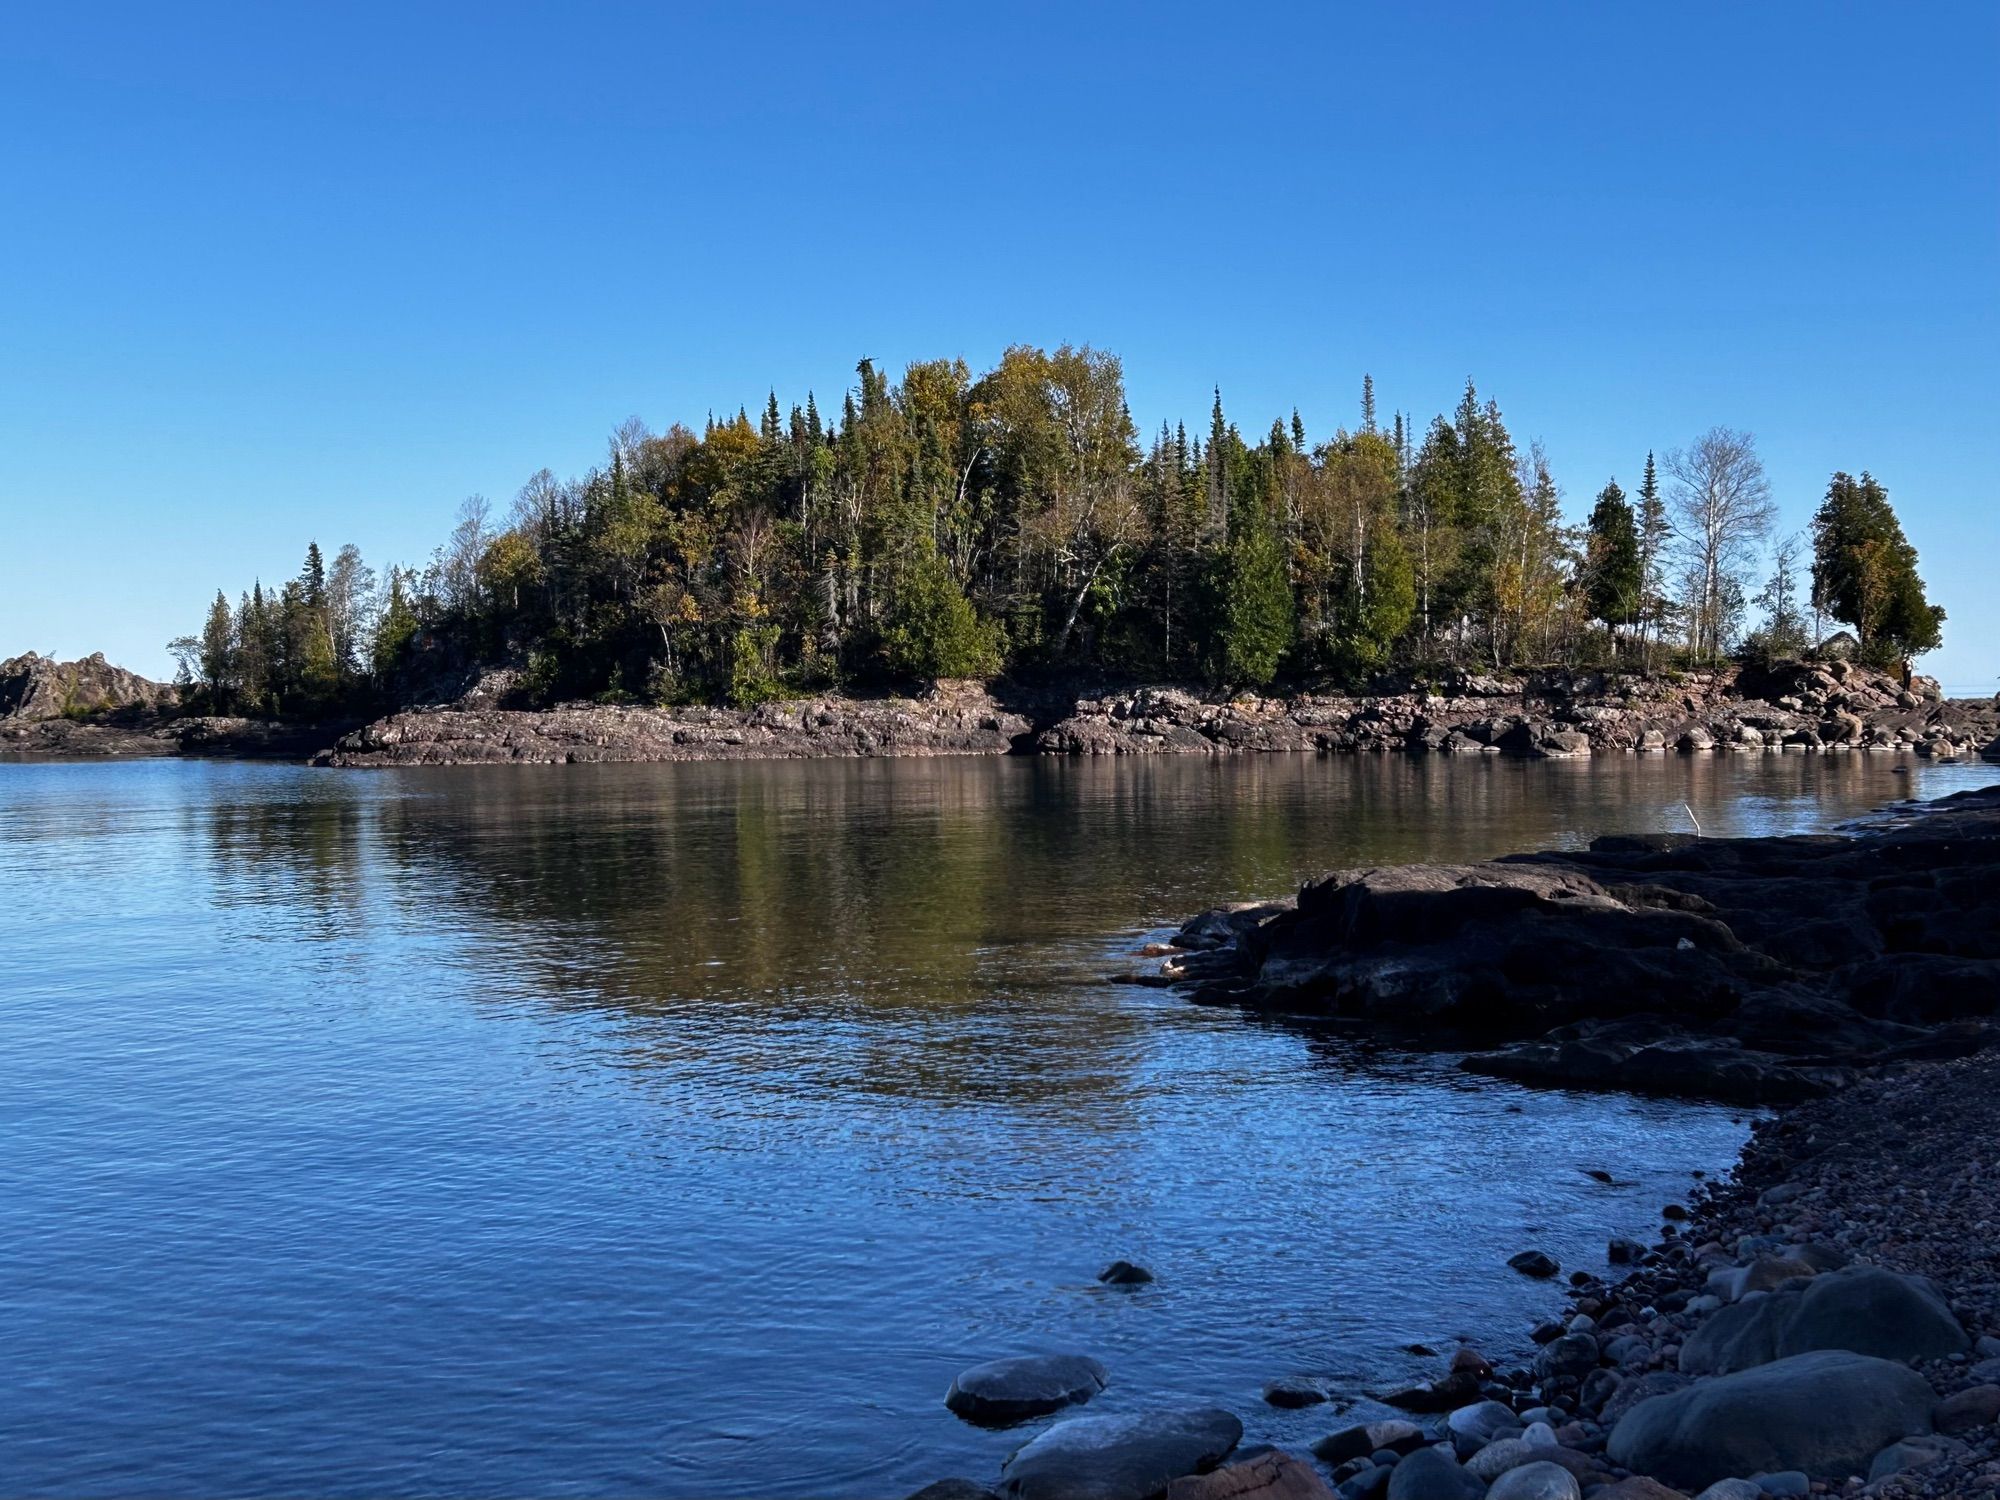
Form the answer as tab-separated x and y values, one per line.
1614	568
1864	573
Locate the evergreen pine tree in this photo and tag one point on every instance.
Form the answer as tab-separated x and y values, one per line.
1613	568
1864	573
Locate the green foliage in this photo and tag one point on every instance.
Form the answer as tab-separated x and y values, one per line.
951	523
1864	573
1259	620
933	629
752	677
1615	569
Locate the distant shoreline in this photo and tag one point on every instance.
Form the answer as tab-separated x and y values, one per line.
1834	707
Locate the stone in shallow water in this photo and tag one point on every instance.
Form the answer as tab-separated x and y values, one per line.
1828	1413
1012	1390
1534	1263
1127	1457
1124	1273
1294	1392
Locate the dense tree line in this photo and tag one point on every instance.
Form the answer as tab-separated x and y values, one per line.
953	526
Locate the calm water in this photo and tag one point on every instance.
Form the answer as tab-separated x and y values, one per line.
682	1130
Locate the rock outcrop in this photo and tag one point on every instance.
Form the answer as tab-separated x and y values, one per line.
1756	970
87	707
955	718
35	688
1815	706
1834	706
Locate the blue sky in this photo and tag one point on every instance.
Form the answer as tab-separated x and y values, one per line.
276	273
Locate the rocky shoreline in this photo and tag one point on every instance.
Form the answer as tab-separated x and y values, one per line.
1824	1321
1754	970
1832	707
89	708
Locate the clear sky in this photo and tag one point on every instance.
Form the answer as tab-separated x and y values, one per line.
285	272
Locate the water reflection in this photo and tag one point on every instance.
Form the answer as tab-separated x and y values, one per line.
680	1130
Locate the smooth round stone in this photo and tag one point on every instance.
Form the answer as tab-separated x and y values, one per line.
1128	1457
1482	1420
1498	1456
1012	1390
1534	1263
1536	1481
1433	1474
1539	1435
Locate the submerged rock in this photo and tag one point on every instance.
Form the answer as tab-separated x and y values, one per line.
1294	1392
1124	1273
954	1489
1012	1390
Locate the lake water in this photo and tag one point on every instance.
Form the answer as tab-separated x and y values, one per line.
682	1130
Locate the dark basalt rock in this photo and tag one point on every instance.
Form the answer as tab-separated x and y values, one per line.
1828	1413
1865	1310
1757	971
1124	1273
1127	1457
1012	1390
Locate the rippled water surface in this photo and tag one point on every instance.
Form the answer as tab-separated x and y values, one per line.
682	1130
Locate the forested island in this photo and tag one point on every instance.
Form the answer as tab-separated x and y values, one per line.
953	526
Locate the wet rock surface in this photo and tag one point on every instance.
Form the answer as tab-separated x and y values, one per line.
1002	1391
1127	1457
1750	970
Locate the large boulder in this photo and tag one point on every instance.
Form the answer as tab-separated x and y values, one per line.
1127	1457
1275	1475
1863	1309
1828	1413
1012	1390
